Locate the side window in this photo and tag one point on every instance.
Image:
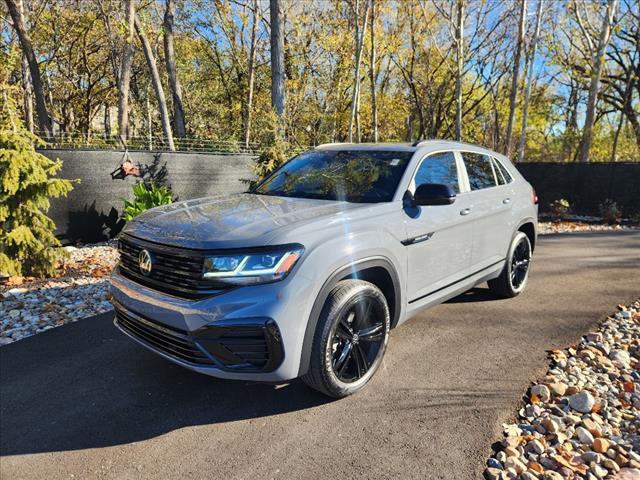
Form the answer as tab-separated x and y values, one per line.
439	168
502	173
479	170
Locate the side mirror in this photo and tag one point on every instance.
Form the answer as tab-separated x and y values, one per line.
434	194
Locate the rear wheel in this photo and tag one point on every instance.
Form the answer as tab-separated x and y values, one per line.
513	278
350	339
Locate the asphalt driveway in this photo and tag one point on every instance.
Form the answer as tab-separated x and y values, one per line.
84	401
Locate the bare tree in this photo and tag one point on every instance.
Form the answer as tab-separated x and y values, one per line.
125	71
16	11
530	72
251	74
174	82
515	78
623	77
594	85
157	83
460	65
359	42
277	56
372	76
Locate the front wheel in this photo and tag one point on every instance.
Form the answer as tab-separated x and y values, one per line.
513	278
350	339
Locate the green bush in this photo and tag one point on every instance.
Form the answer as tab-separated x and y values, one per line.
610	212
144	198
559	208
270	159
28	245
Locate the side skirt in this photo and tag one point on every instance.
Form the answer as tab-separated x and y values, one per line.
453	289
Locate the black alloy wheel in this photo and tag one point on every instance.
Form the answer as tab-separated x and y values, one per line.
357	340
350	339
520	263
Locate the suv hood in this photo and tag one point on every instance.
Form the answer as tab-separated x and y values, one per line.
240	220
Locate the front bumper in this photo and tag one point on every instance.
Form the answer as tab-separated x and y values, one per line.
249	333
249	345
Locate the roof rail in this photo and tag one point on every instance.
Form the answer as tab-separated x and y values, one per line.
420	141
330	144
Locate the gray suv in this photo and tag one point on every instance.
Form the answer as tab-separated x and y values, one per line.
305	274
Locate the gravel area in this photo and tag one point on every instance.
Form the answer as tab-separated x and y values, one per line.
582	420
29	306
570	226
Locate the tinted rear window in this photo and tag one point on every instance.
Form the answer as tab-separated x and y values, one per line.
479	170
503	174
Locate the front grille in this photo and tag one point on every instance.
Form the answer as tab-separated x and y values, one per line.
175	343
175	271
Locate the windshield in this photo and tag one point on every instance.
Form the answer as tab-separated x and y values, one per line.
362	176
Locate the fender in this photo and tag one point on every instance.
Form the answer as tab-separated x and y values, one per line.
533	221
331	282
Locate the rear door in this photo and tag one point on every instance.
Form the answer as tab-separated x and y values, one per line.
490	198
439	237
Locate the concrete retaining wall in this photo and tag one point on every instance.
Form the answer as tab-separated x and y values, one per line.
92	210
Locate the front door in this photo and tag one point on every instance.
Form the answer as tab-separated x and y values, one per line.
439	238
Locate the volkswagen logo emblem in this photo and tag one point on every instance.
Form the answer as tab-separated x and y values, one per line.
144	262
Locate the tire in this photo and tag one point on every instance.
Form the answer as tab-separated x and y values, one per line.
513	278
356	314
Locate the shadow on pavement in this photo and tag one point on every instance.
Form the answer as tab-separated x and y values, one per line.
476	294
86	385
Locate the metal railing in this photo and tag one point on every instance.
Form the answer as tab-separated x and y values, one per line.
96	141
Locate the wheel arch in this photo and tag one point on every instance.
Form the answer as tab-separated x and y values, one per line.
528	228
377	270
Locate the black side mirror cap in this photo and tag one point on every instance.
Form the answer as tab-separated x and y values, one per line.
434	194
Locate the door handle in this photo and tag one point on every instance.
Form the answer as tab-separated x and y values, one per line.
466	211
506	201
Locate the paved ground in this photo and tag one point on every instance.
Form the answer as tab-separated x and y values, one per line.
83	401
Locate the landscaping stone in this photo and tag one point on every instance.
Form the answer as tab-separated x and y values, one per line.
81	290
582	402
583	418
571	226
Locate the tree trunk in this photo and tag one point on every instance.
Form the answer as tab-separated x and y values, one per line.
359	41
614	147
107	121
28	95
251	74
174	82
594	86
571	122
149	126
530	73
632	117
277	58
125	72
626	103
16	10
157	84
515	79
460	66
372	76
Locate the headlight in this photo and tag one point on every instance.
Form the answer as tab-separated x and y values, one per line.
250	268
